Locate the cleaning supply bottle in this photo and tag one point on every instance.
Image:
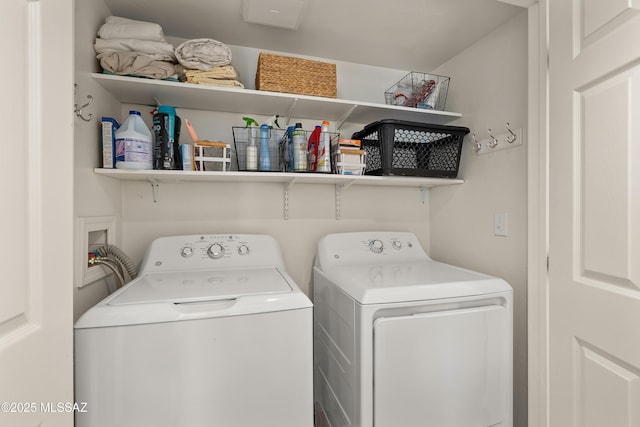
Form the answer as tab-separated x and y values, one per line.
265	159
169	149
290	166
134	144
312	149
324	149
299	149
252	151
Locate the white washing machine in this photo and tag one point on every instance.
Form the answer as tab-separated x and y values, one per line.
213	332
402	340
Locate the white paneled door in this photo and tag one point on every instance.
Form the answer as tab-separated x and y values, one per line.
594	208
36	214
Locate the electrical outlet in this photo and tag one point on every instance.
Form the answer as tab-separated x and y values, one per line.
91	234
500	224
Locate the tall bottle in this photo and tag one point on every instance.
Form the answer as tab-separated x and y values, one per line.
251	158
312	149
290	166
324	149
134	144
299	149
265	159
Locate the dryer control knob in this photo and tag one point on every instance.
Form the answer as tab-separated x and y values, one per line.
243	250
215	251
187	251
396	244
376	246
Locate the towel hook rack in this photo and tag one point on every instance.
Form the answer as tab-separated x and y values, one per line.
77	109
494	142
477	146
511	137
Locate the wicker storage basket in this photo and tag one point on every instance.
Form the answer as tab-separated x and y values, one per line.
277	73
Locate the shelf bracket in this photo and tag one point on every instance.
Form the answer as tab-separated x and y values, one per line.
346	115
285	197
154	189
423	192
338	193
290	112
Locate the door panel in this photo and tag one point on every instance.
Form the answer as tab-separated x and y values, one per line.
36	186
594	213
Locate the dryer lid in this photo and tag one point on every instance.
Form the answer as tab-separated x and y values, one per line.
411	281
189	286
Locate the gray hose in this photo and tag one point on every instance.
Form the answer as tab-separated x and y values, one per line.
115	252
113	266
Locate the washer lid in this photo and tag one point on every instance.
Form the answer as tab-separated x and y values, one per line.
189	286
412	281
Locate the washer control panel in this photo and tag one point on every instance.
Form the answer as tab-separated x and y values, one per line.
212	251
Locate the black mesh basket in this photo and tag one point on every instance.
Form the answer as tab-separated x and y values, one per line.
396	147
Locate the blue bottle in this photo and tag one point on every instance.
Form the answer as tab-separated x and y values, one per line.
265	160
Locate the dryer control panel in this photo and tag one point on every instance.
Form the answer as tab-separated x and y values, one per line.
365	247
205	251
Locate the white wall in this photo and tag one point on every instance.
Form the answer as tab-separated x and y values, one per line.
489	88
95	196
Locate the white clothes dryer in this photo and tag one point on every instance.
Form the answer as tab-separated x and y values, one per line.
402	340
213	332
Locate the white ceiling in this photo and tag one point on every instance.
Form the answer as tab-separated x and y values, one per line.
416	35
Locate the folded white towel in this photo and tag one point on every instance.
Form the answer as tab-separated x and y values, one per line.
203	54
160	50
116	27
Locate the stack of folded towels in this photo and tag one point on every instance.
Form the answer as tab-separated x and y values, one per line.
137	48
208	62
128	47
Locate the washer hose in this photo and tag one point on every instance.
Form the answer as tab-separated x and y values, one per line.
113	251
113	265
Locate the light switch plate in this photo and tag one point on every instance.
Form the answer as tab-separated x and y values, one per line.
500	224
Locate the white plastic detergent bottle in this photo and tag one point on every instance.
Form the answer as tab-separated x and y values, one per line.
134	144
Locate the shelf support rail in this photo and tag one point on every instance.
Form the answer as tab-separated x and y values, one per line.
154	189
285	197
338	192
423	191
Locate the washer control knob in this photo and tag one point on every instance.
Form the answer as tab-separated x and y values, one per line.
215	251
376	246
243	250
397	244
187	251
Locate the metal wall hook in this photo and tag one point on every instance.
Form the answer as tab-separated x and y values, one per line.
511	137
494	142
77	109
476	144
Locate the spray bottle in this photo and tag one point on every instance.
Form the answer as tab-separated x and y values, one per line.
265	132
251	160
265	159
